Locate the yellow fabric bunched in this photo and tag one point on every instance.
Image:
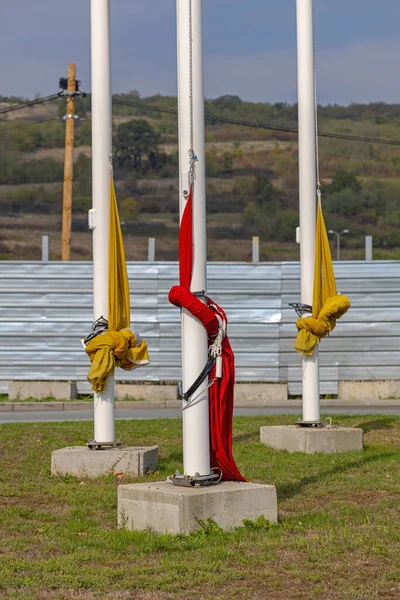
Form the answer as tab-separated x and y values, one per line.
114	349
327	304
117	347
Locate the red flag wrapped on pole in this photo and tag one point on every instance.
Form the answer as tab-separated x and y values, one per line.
221	379
221	364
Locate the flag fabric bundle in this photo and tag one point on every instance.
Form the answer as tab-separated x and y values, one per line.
118	346
327	305
114	349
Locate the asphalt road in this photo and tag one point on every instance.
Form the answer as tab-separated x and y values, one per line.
169	413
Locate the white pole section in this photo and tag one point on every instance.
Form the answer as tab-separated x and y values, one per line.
307	190
255	247
196	445
104	430
368	247
151	250
45	248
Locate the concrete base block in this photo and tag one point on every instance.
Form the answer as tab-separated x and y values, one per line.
80	461
59	390
310	440
246	394
165	508
369	391
149	393
260	394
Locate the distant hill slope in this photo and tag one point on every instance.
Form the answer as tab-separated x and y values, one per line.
252	178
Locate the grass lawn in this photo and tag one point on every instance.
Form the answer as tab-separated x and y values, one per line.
338	534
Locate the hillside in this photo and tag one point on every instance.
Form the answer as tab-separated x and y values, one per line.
251	186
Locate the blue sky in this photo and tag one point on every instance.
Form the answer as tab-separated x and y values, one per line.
249	47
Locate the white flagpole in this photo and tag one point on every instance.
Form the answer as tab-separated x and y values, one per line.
196	447
307	191
104	428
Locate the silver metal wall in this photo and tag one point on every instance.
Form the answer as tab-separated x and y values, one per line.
45	308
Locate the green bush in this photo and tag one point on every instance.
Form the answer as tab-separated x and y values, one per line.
227	163
128	209
44	170
28	200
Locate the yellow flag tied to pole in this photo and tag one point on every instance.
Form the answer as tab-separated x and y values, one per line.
328	305
114	349
118	285
324	277
118	346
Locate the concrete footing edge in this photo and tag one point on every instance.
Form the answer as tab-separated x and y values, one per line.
80	461
164	508
310	440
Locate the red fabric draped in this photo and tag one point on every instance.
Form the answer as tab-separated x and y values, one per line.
181	297
221	413
222	390
186	243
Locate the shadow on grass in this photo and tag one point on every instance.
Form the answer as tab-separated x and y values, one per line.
248	437
172	460
288	490
386	423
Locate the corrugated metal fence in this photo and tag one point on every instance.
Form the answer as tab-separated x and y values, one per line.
45	308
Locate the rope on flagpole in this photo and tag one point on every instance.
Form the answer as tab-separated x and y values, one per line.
316	126
192	156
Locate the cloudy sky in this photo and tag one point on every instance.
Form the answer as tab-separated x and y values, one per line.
249	47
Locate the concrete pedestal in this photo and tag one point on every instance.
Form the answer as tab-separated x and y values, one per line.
80	461
165	508
310	440
59	390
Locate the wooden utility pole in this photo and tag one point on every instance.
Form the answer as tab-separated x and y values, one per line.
68	164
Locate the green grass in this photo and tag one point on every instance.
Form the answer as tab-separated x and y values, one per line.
338	534
5	398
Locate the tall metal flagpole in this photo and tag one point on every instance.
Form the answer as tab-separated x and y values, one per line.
196	445
104	428
307	191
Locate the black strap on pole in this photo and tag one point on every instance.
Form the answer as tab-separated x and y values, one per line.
196	384
98	327
301	308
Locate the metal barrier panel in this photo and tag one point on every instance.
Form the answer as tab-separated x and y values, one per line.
46	307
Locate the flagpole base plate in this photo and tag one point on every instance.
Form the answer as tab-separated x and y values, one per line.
93	445
194	481
301	423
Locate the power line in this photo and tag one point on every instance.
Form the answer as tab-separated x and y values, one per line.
30	103
209	118
227	121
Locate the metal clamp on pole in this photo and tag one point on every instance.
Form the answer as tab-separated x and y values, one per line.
194	481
